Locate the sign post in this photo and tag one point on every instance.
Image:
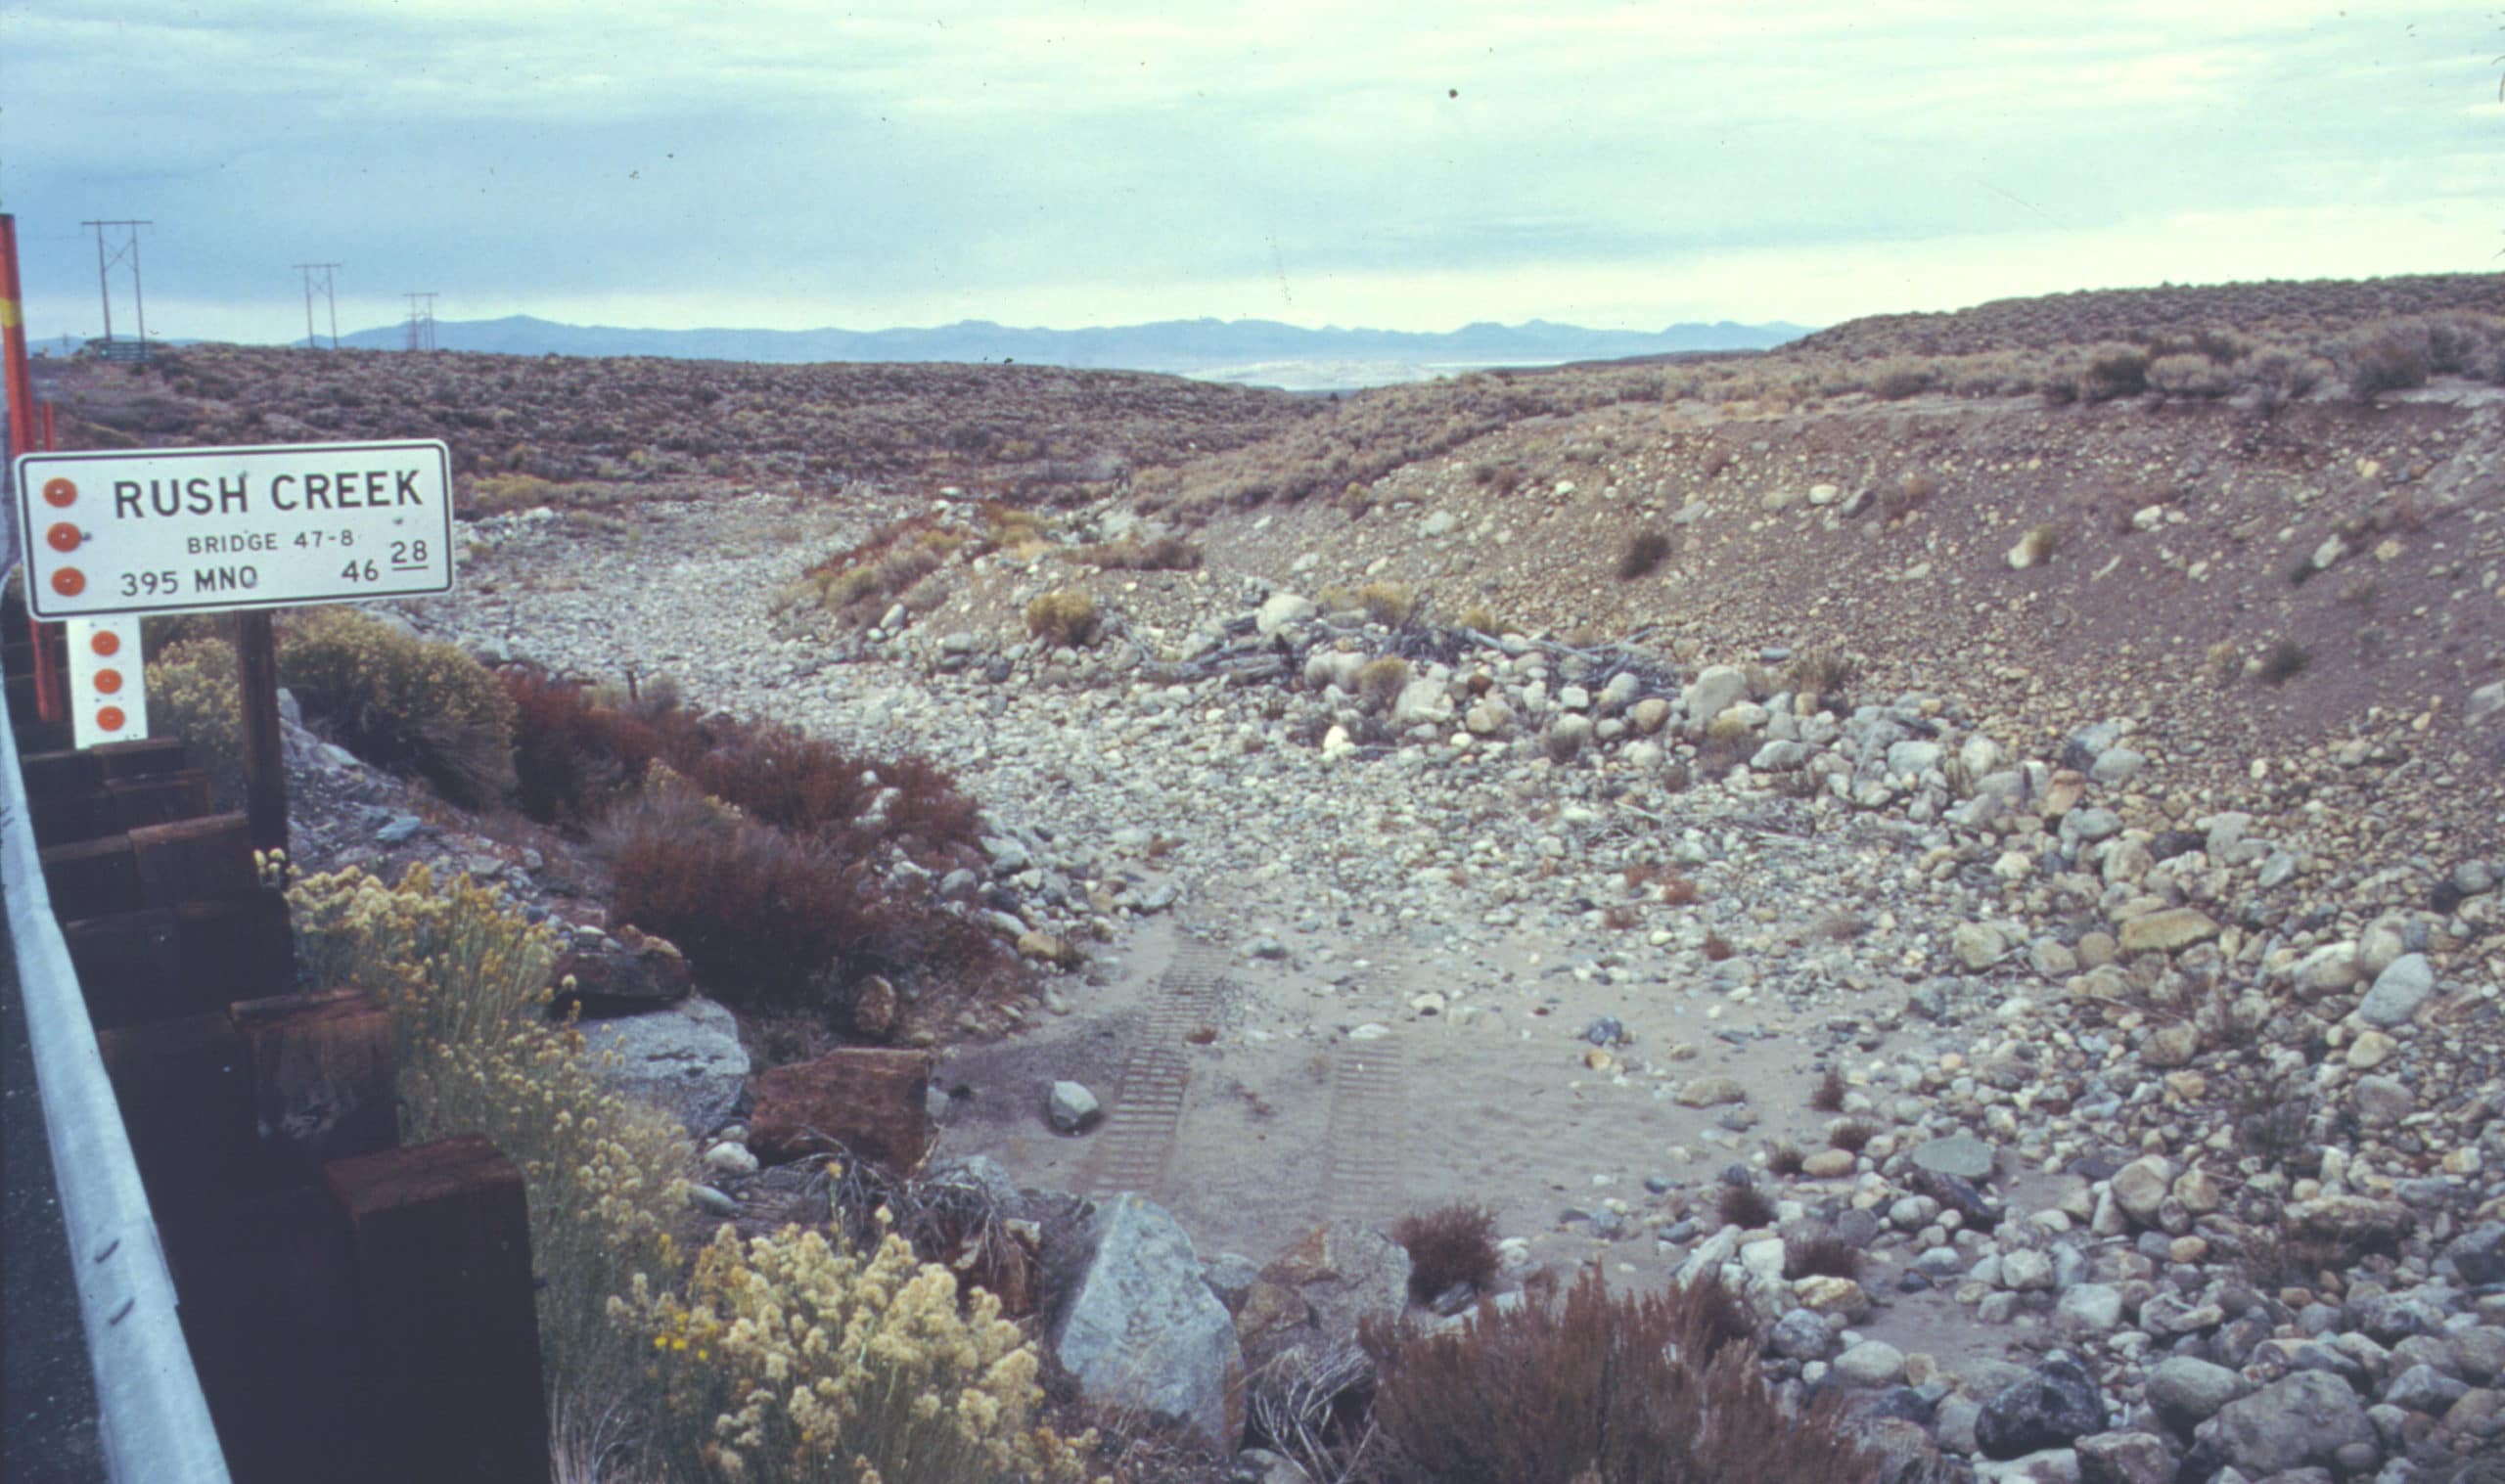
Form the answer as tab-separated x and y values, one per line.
188	530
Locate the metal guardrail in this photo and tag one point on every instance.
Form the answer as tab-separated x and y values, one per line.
153	1420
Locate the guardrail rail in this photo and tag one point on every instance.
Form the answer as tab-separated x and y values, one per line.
150	1413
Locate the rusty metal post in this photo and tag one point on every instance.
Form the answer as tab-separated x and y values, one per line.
52	694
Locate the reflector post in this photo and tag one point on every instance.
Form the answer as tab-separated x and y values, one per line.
107	688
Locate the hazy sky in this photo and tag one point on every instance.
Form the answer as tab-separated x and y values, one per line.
1416	166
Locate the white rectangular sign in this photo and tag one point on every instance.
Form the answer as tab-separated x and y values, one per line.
179	531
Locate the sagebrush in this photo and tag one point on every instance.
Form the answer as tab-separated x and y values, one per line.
402	702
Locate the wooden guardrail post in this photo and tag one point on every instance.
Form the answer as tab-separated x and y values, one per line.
209	859
270	1313
322	1075
448	1338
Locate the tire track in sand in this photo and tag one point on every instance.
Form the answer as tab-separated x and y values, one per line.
1368	1112
1145	1119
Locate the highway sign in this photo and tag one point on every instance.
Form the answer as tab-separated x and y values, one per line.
178	530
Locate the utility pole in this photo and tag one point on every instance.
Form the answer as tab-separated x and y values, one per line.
330	296
421	319
105	262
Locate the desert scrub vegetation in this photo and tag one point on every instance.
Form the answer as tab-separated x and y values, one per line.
770	918
2278	311
581	752
757	850
1390	604
1379	682
1743	1206
858	584
1447	1247
1822	674
1065	618
192	695
1158	554
2282	662
401	702
1650	1390
653	423
1644	552
785	1361
503	493
465	979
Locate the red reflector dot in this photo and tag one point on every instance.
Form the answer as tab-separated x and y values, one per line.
110	719
70	582
64	536
58	493
104	642
108	681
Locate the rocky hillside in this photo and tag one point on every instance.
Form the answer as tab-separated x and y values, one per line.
2280	310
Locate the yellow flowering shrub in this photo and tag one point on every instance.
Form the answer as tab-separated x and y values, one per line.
192	695
455	964
466	981
788	1361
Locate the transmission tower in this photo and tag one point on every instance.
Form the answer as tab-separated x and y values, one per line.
329	297
421	320
105	262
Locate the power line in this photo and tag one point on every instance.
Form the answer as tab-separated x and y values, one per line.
329	294
128	250
421	320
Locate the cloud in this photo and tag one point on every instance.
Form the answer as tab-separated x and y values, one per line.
784	162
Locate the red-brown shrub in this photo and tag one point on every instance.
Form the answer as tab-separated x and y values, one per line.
770	918
577	759
571	759
1448	1246
1661	1389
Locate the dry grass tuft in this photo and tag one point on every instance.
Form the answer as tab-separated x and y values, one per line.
1745	1206
1644	552
1783	1158
1661	1389
1390	604
1381	681
1852	1135
1819	1254
1913	488
1065	619
2283	662
1828	1095
1821	673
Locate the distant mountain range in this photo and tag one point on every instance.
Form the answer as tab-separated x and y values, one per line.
1260	351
